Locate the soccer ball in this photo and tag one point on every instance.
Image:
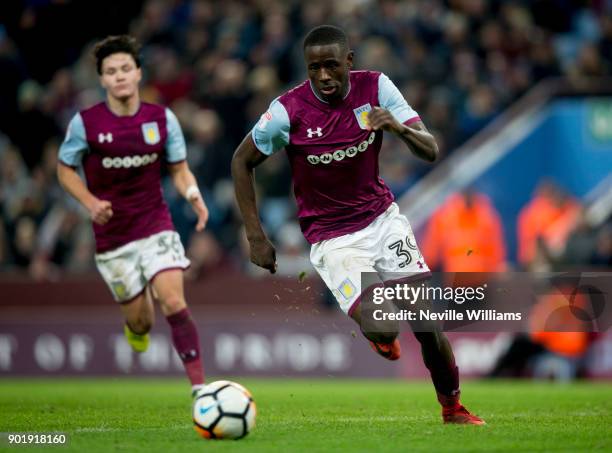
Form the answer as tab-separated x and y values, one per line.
223	410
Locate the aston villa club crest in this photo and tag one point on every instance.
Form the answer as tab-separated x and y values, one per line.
150	132
361	113
347	289
119	289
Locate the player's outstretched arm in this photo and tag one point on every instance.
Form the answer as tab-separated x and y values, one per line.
416	136
245	159
186	184
100	211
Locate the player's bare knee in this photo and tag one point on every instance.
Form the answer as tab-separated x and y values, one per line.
172	304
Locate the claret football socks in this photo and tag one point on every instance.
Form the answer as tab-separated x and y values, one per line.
187	344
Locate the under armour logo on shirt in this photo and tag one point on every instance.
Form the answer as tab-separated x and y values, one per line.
311	133
108	137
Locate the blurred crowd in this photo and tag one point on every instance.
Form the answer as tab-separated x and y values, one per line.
554	234
218	64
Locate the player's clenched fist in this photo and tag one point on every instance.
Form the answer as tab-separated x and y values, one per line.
100	211
263	254
380	118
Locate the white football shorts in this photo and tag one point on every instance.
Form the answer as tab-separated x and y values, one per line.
128	269
386	246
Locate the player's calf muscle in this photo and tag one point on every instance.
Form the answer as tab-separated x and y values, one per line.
377	331
139	325
139	315
380	337
143	322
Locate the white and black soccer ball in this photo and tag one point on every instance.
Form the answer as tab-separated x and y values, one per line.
223	410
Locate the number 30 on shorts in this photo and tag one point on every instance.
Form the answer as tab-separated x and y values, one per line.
402	249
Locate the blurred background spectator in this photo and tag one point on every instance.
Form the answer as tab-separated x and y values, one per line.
465	235
459	63
544	226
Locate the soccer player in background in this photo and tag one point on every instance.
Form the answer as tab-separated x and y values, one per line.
332	128
122	144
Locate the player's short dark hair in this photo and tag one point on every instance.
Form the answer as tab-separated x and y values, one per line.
324	35
116	44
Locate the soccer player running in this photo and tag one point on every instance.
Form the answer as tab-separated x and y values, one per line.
332	128
121	145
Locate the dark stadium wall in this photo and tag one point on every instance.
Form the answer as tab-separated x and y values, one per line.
72	329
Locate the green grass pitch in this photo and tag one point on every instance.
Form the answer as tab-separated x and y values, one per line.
312	415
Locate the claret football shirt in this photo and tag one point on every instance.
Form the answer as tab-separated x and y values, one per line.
121	158
333	157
